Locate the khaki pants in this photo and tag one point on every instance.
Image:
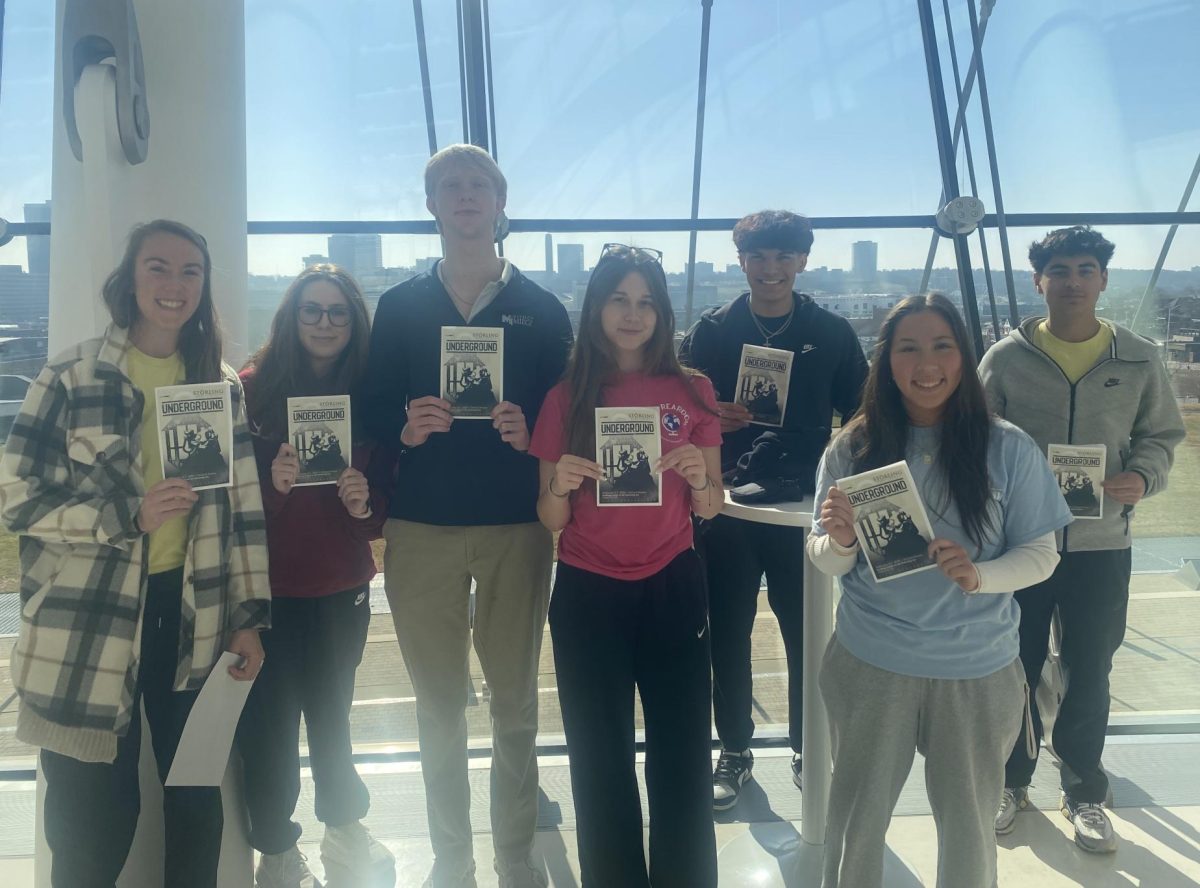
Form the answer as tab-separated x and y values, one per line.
428	572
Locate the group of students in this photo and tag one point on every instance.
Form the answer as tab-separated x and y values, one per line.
133	585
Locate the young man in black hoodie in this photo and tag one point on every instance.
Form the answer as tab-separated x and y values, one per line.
827	373
465	508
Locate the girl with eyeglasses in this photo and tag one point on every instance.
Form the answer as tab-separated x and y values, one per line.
132	585
928	662
321	568
629	608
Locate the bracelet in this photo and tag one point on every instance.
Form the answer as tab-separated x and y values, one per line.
707	484
554	493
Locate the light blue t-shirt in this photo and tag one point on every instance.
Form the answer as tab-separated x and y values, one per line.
925	625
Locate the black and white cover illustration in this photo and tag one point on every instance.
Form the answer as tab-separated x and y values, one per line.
890	521
1079	469
472	370
627	447
195	433
762	383
319	429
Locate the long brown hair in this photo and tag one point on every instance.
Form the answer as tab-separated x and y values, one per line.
282	367
878	434
200	339
593	364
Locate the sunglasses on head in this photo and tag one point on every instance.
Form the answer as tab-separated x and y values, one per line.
637	254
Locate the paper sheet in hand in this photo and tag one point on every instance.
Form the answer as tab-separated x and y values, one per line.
207	737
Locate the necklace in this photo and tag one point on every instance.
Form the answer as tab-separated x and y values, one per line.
464	305
767	337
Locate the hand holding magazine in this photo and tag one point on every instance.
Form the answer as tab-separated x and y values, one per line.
195	428
472	370
627	448
762	383
890	521
319	429
1079	470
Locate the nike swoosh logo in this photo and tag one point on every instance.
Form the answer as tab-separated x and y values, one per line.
1109	383
807	348
700	632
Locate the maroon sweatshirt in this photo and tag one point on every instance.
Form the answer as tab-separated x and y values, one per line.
315	547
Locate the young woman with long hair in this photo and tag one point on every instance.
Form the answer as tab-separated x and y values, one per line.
321	569
629	607
132	586
929	662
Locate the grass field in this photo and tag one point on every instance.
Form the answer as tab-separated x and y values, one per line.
1172	513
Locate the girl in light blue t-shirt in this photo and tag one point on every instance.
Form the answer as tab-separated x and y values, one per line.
929	662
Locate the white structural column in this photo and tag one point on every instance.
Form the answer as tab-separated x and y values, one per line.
194	172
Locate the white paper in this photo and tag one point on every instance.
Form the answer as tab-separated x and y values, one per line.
890	521
207	737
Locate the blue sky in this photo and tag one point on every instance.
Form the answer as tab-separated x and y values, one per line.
821	107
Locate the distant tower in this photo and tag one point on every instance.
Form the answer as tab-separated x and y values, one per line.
549	253
570	258
865	260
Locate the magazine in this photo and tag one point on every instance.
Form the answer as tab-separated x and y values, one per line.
762	383
472	370
319	429
890	521
1079	470
627	447
195	429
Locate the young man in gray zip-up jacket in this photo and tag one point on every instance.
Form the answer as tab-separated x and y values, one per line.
1073	378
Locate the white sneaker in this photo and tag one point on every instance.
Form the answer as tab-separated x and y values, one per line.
451	874
286	870
732	771
1093	830
1013	801
354	858
522	874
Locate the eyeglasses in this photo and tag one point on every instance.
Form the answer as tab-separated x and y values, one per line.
637	254
311	314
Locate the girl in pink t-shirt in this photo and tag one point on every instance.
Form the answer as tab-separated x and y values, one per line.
629	607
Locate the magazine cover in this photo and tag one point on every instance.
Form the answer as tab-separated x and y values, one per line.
195	430
1079	469
319	429
890	521
627	446
472	370
762	383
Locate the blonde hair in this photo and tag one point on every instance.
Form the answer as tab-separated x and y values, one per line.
471	154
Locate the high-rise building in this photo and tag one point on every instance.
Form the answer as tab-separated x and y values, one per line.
549	253
359	254
865	260
38	246
570	259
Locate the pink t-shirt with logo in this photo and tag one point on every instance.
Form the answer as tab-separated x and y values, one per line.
633	542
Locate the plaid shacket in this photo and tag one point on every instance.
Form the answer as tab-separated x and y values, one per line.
71	485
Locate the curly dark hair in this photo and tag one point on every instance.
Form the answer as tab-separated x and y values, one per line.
1078	240
773	230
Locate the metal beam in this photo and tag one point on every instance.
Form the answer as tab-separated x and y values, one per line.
701	91
941	124
423	60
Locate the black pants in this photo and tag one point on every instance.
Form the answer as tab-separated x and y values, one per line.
1091	590
736	555
313	648
610	636
92	808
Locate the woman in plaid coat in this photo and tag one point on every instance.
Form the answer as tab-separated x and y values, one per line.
132	586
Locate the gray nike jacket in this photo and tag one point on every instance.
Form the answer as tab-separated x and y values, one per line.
1124	402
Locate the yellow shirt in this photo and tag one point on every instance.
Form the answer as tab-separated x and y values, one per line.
168	544
1075	358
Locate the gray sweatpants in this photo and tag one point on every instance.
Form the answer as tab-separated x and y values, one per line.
965	729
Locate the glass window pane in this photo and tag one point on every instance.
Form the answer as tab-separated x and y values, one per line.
823	104
335	119
596	106
1093	103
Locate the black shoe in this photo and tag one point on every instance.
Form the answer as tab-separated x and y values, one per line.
797	770
733	769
